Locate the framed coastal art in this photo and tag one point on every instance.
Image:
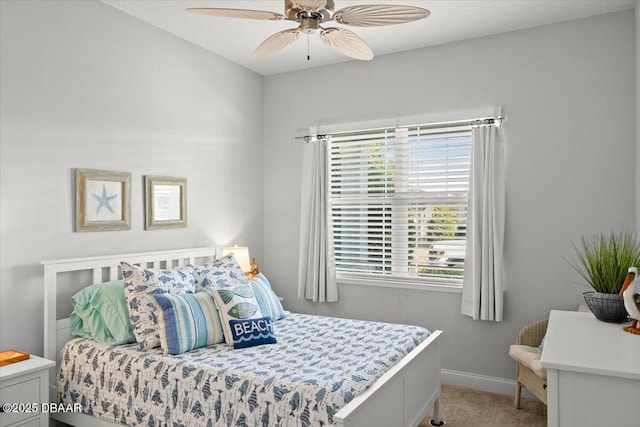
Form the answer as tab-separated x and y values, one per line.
165	202
103	200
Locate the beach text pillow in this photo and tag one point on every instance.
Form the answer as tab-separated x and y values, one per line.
238	308
250	332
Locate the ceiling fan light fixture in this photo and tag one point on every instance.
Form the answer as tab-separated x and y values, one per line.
309	25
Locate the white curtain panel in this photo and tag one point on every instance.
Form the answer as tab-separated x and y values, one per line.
482	294
316	267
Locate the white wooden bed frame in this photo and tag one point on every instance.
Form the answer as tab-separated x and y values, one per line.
401	397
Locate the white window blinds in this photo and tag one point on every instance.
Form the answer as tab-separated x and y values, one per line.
398	199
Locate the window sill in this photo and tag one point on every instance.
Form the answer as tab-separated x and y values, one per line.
456	289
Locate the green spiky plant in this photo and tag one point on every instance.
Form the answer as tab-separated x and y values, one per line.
603	261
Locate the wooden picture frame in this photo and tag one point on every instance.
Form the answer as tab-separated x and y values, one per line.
165	202
103	200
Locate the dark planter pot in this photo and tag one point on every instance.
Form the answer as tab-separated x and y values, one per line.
606	307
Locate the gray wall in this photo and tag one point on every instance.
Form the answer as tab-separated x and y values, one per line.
86	86
567	90
637	118
83	85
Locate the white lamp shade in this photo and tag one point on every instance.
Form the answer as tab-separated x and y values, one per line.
241	254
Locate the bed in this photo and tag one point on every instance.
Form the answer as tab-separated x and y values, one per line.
399	395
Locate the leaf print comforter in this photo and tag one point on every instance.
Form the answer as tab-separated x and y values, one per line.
318	365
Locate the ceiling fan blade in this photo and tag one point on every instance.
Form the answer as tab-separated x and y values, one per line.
311	4
276	42
347	43
375	15
237	13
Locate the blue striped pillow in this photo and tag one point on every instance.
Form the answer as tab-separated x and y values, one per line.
267	300
187	321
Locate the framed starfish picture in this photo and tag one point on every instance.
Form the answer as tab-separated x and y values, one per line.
103	200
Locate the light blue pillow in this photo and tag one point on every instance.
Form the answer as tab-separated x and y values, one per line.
100	313
267	300
541	346
187	321
250	332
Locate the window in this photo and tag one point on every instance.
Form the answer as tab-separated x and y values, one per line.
398	199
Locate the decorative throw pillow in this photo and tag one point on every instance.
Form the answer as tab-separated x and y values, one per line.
221	273
237	305
187	321
267	300
141	282
250	332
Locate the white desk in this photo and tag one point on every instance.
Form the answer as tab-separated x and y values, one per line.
593	372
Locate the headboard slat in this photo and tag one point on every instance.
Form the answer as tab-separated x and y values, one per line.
97	275
113	272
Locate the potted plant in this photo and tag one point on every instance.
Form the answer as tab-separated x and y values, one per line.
603	262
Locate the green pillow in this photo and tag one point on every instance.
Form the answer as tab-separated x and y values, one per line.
100	313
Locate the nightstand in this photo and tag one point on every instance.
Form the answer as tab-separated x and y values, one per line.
25	384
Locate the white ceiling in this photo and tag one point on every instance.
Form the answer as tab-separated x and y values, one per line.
450	20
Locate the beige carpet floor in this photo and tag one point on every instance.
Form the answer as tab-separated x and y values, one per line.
465	407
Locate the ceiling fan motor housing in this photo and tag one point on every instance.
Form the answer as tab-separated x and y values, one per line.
293	11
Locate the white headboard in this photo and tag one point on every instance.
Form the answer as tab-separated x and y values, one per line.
58	331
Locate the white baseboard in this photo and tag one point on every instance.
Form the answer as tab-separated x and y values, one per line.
483	382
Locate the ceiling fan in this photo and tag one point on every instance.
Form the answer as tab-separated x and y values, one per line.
309	14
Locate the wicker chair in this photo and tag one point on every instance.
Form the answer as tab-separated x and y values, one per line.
529	371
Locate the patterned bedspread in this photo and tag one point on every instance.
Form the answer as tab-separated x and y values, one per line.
318	365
